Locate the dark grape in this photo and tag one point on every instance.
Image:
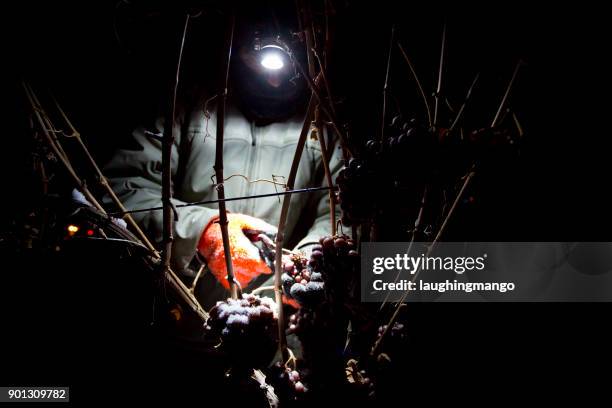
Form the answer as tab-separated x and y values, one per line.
396	122
328	243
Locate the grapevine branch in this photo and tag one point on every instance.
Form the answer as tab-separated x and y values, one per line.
464	104
325	82
328	177
280	235
386	85
318	126
103	181
55	145
416	79
415	236
45	123
506	94
312	84
234	289
440	71
167	143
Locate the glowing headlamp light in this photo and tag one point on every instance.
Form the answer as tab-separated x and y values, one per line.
272	56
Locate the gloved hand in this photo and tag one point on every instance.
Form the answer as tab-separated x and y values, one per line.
247	261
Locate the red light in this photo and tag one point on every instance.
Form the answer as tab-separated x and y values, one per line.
90	232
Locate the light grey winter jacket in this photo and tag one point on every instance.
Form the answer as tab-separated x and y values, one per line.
256	152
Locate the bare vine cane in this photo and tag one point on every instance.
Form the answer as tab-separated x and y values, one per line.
308	35
386	85
47	128
168	206
102	180
328	113
199	274
327	39
519	128
319	128
186	295
167	143
45	123
229	38
467	179
52	129
280	235
312	55
327	49
439	86
415	235
430	249
325	81
464	104
322	141
271	396
418	83
494	123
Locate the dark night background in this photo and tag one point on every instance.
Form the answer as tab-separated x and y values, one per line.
109	67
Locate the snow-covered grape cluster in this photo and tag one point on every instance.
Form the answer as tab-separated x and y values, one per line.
300	282
332	265
247	328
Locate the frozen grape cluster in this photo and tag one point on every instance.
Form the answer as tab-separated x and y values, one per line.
300	282
309	281
247	328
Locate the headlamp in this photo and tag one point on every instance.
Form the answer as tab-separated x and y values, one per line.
272	57
272	54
